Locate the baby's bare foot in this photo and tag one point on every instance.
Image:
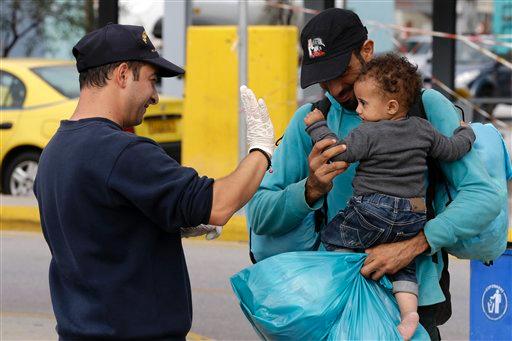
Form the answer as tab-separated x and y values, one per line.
408	326
314	116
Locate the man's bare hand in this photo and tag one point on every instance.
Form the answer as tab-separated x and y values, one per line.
390	258
321	172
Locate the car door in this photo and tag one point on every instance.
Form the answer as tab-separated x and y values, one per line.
12	96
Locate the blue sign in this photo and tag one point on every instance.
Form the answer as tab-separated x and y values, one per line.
494	302
490	292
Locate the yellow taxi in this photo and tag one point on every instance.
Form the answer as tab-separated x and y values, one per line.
35	95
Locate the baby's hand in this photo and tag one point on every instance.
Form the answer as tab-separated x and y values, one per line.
314	116
463	124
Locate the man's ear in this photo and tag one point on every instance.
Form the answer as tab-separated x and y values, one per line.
120	74
367	50
393	107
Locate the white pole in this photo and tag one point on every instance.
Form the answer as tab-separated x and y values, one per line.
174	31
339	3
242	74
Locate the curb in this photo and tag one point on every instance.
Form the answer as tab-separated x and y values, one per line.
235	230
19	218
196	337
26	218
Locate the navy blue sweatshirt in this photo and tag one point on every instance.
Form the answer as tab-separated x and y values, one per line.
111	205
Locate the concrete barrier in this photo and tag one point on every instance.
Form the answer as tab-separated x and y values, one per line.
19	213
22	214
210	118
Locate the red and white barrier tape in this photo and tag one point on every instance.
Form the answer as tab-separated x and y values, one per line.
293	8
460	37
419	31
469	40
467	102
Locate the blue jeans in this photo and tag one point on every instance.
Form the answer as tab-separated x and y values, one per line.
375	219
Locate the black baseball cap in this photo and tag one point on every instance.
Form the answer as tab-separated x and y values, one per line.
328	40
116	43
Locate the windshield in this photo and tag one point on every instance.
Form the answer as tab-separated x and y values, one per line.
468	55
418	47
63	78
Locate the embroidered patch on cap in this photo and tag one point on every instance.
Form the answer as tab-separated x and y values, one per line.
145	37
316	47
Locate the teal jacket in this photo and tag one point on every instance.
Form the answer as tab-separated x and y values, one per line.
279	204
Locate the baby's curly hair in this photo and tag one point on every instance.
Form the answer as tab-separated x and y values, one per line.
395	76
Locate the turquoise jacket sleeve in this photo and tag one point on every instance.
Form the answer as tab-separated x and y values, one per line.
473	207
280	203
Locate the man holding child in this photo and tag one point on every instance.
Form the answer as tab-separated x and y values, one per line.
304	180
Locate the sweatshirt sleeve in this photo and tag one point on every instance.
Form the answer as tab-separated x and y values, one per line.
357	141
451	148
280	203
474	206
170	195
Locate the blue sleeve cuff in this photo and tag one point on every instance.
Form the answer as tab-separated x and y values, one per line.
297	199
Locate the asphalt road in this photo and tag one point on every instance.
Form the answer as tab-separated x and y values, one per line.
26	312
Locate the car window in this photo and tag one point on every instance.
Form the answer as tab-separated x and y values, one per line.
12	91
63	78
464	54
424	48
468	55
418	46
421	48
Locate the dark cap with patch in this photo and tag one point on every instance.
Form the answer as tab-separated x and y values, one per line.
117	43
328	41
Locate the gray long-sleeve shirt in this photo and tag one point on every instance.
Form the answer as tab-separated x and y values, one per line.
392	154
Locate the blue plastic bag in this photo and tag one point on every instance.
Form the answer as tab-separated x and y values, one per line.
317	296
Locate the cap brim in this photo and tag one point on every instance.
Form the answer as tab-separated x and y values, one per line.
165	67
325	70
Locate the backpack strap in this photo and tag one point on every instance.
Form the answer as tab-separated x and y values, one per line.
251	255
324	105
435	174
443	310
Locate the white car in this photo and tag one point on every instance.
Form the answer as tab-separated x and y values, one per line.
468	61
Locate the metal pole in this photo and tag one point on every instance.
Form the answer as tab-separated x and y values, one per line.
443	49
242	74
176	19
339	3
318	5
108	12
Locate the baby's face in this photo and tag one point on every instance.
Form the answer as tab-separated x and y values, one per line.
371	103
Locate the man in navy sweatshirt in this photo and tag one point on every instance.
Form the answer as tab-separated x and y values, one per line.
112	203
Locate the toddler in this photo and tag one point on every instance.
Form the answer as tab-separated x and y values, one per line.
389	187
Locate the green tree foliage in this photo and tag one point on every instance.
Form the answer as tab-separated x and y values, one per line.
36	21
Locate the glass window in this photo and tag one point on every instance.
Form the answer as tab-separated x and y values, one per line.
468	55
63	78
12	91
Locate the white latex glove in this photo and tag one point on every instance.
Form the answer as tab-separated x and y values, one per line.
260	131
211	231
214	233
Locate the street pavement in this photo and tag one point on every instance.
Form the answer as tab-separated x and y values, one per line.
10	200
26	312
